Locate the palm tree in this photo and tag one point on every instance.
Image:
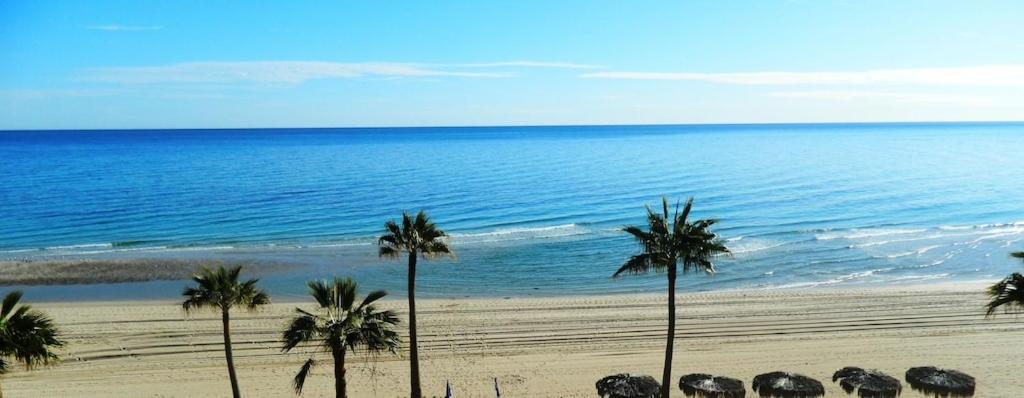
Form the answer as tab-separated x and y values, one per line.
1007	293
667	243
220	289
415	237
342	323
25	334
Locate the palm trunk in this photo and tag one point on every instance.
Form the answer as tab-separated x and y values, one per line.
339	373
225	319
414	354
666	376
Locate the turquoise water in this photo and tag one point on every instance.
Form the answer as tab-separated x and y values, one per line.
532	210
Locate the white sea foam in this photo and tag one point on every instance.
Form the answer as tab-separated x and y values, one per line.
866	233
81	246
970	235
344	244
916	252
997	235
981	226
501	235
833	281
753	245
917	277
158	249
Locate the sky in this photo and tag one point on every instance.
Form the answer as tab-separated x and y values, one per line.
232	64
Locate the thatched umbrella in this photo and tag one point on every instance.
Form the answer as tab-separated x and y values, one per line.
625	385
868	383
940	382
787	385
708	386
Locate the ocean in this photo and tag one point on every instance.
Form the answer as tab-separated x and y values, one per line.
532	211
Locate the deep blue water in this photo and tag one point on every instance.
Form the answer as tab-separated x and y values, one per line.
532	210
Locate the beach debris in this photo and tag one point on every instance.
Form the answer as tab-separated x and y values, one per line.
941	382
624	385
497	391
868	383
787	385
447	389
707	386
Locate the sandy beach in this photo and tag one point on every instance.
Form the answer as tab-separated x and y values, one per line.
543	347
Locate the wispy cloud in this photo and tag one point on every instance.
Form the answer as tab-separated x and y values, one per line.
524	64
853	95
991	75
295	72
124	28
37	94
284	72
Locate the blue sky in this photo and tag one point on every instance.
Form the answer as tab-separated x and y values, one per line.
182	64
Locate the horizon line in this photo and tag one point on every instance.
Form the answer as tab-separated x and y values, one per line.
492	126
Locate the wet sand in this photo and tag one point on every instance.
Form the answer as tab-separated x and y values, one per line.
92	271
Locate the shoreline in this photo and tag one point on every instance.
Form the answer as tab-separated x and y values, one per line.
156	279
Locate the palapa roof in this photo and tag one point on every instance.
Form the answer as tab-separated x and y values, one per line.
940	382
787	385
707	386
624	385
868	383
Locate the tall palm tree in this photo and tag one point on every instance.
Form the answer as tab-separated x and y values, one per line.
25	334
342	323
672	240
1007	293
220	289
416	237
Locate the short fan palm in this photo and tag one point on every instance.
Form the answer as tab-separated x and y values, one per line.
26	335
220	290
1007	293
672	240
416	237
341	323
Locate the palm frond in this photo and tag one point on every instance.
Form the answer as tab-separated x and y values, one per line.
638	264
196	298
1007	294
416	234
300	378
691	244
637	233
302	329
388	252
435	248
407	228
251	297
348	293
373	296
26	334
337	325
321	292
393	229
220	288
10	301
682	218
